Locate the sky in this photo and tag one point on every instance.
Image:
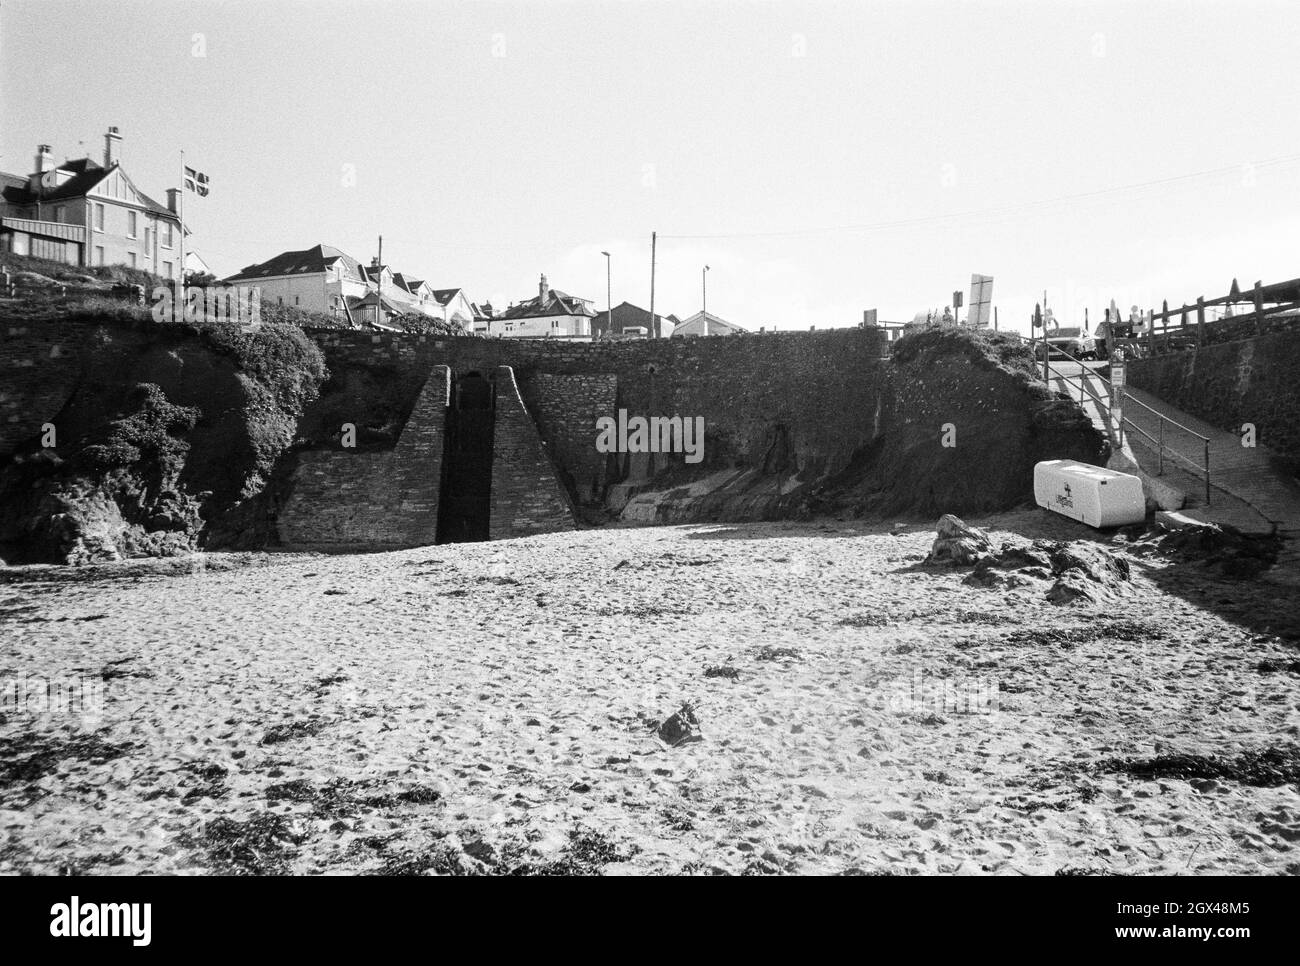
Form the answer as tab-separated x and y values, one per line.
821	158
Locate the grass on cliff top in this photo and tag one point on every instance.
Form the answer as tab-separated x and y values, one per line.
1006	350
277	354
91	276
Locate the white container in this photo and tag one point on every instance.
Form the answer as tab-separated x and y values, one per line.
1091	494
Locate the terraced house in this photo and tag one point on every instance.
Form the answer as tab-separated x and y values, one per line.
318	279
85	213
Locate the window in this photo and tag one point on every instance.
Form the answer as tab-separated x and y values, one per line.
130	224
99	254
59	213
99	218
130	259
167	238
295	300
167	269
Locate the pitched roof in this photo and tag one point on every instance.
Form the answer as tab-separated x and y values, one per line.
717	326
85	175
445	295
627	314
309	261
411	285
556	303
372	298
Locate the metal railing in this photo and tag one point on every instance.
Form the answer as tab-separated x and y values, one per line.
1125	424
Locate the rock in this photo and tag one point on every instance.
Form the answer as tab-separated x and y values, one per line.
681	727
958	543
1011	557
1070	588
983	576
1092	562
1085	572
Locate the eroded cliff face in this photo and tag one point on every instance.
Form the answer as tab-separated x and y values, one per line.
161	440
956	423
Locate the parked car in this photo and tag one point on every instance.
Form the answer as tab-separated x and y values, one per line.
1071	340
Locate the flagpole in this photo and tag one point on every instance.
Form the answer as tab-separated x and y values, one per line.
180	214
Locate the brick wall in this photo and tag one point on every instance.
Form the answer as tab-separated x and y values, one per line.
1249	381
526	493
815	391
566	407
374	500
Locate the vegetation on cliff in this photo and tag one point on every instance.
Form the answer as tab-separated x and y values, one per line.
166	443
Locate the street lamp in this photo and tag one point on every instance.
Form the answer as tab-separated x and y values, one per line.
609	298
704	283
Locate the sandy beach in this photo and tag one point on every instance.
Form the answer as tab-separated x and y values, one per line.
493	708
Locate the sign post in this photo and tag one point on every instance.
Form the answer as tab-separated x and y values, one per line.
981	299
1117	381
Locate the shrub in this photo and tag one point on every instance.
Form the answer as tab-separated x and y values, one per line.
273	312
418	323
150	433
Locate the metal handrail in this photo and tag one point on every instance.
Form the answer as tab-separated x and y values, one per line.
1126	423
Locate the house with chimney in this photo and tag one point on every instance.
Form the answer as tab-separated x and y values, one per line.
82	212
317	279
552	314
325	279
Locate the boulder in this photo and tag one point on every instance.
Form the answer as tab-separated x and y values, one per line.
680	727
958	543
1085	572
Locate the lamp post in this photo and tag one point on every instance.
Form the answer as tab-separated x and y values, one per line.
704	284
609	298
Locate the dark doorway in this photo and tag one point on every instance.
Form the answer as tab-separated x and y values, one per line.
464	505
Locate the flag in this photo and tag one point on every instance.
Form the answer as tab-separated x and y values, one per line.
197	182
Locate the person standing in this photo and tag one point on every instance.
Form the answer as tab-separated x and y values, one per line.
1103	338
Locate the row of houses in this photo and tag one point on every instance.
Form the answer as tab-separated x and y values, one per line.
327	280
87	213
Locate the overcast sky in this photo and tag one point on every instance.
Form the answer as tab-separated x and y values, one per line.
822	158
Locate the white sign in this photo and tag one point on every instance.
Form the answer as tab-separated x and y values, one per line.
979	308
1117	375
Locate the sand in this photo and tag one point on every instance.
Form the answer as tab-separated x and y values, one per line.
491	707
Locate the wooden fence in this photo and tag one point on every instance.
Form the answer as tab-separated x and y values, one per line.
1268	309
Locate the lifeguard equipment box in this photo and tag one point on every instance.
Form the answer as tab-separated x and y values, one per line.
1091	494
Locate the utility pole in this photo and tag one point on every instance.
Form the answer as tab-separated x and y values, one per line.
654	321
379	282
609	297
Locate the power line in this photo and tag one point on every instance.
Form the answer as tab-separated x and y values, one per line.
981	212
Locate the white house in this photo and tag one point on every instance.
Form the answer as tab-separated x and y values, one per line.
318	279
552	314
455	306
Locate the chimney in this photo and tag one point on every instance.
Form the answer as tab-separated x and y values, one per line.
44	159
173	200
112	147
543	291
